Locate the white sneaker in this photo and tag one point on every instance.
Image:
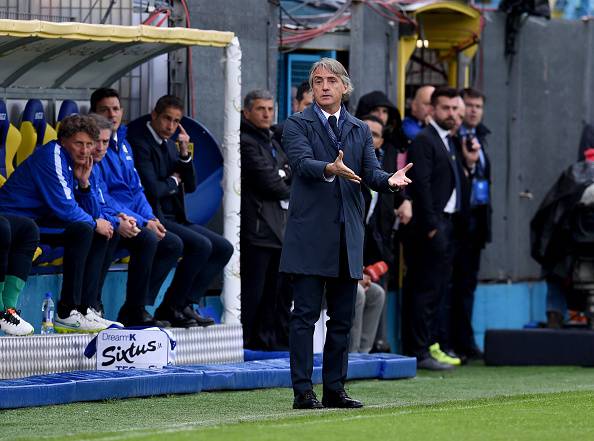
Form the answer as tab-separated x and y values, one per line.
96	316
12	324
77	323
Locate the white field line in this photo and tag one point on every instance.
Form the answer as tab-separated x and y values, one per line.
127	434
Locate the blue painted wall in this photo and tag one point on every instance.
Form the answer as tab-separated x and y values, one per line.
497	306
508	306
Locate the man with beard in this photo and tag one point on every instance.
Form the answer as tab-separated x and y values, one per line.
428	244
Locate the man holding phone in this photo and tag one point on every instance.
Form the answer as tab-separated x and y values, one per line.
477	234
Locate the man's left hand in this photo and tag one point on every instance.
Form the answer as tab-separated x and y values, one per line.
399	178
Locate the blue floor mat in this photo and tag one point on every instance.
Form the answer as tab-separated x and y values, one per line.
77	386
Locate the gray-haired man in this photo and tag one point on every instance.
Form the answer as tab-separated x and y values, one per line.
265	186
331	153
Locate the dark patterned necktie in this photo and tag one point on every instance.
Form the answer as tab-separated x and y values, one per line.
334	126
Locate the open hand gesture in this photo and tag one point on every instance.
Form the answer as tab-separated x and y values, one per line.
399	179
337	168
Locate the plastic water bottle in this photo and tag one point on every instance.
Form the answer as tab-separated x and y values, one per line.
47	310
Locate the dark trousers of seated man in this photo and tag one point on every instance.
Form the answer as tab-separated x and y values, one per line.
151	260
84	259
205	254
19	237
265	298
308	292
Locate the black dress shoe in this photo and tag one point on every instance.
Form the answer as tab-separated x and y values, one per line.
174	316
340	399
307	400
138	316
190	313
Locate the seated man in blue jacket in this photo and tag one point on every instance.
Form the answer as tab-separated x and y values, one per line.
150	259
124	189
43	188
167	174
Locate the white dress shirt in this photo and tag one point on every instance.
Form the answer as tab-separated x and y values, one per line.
328	115
160	141
443	134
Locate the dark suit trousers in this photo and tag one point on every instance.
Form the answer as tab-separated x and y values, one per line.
429	268
84	255
265	300
103	262
151	260
205	254
464	281
308	293
19	237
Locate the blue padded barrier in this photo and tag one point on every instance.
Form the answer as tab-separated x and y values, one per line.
104	385
41	390
75	386
250	355
385	366
361	367
264	373
247	375
396	366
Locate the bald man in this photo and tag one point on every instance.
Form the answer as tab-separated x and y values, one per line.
419	112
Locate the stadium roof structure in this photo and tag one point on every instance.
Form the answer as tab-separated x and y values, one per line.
40	59
451	28
38	54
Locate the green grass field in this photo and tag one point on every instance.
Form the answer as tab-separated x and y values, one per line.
471	403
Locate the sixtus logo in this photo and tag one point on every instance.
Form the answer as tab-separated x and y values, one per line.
127	355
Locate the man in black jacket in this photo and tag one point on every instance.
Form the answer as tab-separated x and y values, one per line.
265	180
391	155
436	190
166	175
477	231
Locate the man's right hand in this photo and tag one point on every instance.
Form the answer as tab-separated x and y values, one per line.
337	168
432	233
104	228
128	228
83	172
404	212
156	227
183	140
471	151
